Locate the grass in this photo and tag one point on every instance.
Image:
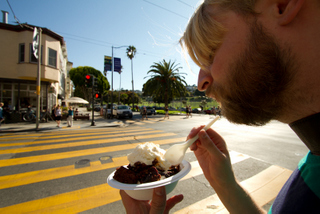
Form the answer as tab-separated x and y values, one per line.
179	104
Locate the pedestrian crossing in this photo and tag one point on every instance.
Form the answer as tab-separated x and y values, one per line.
41	172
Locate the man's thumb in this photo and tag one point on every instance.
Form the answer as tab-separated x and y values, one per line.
159	200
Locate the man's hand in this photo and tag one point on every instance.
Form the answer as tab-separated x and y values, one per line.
157	205
213	156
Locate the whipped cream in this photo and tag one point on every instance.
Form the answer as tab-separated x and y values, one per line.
147	153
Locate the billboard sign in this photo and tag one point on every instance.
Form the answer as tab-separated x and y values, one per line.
117	64
107	63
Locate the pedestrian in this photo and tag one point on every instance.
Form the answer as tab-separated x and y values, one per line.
187	111
53	112
1	113
58	115
190	111
70	117
77	112
254	62
144	113
166	109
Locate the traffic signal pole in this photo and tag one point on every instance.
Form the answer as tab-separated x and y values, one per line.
93	123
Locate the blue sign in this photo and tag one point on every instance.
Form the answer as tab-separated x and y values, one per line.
117	64
108	64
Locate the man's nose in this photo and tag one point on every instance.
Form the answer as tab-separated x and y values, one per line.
204	80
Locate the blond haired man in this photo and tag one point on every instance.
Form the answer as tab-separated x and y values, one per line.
259	59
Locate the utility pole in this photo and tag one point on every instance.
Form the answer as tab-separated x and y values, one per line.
37	53
93	123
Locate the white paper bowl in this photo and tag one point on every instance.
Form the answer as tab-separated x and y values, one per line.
145	191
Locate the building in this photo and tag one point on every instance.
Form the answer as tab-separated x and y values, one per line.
19	68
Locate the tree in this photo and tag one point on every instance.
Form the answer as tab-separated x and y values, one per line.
77	75
165	82
131	52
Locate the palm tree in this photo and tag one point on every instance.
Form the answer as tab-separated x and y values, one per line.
131	52
165	81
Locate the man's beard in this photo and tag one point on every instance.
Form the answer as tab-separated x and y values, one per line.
257	90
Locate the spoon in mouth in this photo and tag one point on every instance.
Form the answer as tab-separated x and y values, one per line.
176	152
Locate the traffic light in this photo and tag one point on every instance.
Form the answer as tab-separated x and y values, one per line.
97	95
95	82
88	81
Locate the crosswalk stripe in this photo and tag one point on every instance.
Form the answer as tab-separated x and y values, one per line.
62	202
88	198
79	136
70	134
263	187
78	153
67	137
79	143
25	178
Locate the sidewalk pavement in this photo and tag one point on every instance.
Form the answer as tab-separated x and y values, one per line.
100	122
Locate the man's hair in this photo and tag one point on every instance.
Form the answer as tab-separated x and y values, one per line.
204	34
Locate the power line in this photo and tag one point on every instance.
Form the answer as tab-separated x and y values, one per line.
166	9
185	3
102	43
90	39
13	13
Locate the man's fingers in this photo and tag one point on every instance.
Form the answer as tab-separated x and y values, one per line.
159	200
206	142
171	202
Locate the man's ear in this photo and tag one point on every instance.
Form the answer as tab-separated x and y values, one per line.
288	10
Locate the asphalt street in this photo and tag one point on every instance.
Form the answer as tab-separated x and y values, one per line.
59	170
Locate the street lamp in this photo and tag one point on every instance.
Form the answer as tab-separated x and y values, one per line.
112	77
131	51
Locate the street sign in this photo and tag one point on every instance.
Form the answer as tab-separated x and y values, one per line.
107	63
117	64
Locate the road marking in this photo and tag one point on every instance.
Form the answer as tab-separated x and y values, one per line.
70	202
62	139
81	143
87	198
71	134
25	178
71	154
263	187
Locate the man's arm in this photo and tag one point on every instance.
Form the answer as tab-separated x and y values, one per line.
213	157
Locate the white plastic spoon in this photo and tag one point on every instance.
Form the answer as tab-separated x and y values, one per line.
175	153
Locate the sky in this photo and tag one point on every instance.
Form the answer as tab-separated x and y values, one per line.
91	27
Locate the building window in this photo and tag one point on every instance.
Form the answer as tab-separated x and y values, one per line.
32	57
52	60
21	52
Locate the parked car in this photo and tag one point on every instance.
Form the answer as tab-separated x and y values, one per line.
121	111
107	110
96	107
209	111
150	110
172	109
182	109
196	110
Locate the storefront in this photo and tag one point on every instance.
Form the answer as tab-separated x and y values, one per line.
17	95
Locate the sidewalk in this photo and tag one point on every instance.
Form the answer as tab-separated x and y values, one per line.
100	122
